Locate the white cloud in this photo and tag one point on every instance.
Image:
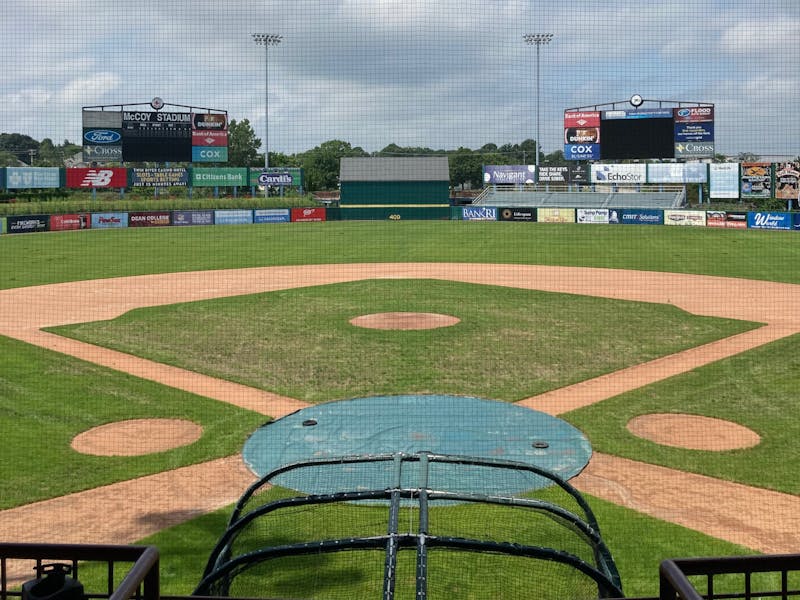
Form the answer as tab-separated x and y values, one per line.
438	73
755	38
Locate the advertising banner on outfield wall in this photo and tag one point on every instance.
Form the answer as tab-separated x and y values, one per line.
553	174
500	174
579	174
308	215
716	218
787	181
233	217
636	216
159	177
202	177
112	177
726	219
555	215
271	215
70	222
150	219
679	173
723	180
295	173
192	217
796	224
516	214
593	216
687	218
756	180
115	220
20	178
478	213
770	220
619	174
27	223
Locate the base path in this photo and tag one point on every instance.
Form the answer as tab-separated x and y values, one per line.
140	507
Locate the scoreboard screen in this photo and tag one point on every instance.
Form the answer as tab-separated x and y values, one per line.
651	137
156	136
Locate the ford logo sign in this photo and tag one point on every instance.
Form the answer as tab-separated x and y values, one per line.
684	112
102	136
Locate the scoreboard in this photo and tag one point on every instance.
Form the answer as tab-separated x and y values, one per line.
160	136
639	133
156	136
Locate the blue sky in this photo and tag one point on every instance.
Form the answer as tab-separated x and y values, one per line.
435	73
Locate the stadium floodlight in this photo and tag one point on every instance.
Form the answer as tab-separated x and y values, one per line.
538	40
266	40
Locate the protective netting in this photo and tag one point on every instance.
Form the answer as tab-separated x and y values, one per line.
408	537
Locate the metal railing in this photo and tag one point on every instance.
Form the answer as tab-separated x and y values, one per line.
732	577
141	581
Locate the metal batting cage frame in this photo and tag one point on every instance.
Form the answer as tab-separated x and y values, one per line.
409	536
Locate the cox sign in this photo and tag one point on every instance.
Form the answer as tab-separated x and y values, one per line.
209	154
581	151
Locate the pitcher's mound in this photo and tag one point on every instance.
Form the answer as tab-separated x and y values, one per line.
136	437
404	320
693	432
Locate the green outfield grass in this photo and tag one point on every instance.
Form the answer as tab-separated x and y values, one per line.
33	259
46	396
510	343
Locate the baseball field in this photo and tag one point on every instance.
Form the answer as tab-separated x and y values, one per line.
674	350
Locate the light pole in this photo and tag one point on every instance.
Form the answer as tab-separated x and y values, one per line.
538	40
266	40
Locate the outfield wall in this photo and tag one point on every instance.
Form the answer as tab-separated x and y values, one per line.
35	223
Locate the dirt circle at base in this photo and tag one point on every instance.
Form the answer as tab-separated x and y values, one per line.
404	321
693	432
136	437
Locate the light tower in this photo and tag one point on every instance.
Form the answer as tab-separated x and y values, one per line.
266	40
538	40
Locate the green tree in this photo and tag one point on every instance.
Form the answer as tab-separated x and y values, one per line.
7	159
466	167
555	159
19	145
243	145
321	164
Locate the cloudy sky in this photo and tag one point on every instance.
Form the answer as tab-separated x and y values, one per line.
435	73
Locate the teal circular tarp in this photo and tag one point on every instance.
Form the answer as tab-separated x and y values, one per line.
438	424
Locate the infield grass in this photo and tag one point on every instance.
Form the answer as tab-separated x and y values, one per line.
510	343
